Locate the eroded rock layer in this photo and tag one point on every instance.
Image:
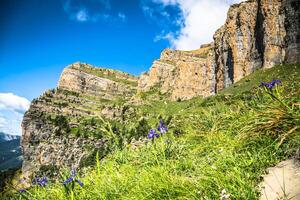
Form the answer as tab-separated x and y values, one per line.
62	127
181	74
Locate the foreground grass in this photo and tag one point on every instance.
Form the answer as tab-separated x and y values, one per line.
223	142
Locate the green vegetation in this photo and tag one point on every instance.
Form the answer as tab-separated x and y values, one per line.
288	73
109	74
223	142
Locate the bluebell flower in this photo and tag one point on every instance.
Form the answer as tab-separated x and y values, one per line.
40	181
72	178
271	84
162	127
152	134
265	84
80	183
69	180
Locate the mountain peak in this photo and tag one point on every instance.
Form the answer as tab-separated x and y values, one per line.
7	137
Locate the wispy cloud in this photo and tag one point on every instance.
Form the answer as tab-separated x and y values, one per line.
3	122
163	14
82	16
91	11
122	17
198	22
12	108
9	101
164	36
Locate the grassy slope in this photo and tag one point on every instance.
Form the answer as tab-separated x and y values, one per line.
288	73
222	142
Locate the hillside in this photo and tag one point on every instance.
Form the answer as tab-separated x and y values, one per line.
223	142
68	125
10	155
10	152
225	127
64	126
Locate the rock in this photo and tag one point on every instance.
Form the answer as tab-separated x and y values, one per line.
83	92
108	84
257	34
282	182
181	74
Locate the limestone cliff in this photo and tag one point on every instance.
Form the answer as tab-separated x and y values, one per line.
109	84
181	74
58	125
256	34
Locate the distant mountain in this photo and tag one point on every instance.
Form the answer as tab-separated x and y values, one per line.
7	137
10	152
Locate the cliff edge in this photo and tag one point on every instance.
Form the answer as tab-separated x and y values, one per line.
257	34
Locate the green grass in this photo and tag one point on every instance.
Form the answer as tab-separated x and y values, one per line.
222	142
114	75
288	73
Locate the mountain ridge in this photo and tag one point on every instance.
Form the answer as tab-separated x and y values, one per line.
4	137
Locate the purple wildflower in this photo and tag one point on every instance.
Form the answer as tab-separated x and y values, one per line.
270	85
69	180
72	178
152	134
162	127
80	183
22	190
40	181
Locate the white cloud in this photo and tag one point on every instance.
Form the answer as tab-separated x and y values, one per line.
9	101
11	123
164	36
12	108
82	16
3	122
122	16
91	11
201	18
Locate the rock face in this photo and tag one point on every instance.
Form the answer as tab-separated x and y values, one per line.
83	78
282	181
257	34
45	151
180	74
54	127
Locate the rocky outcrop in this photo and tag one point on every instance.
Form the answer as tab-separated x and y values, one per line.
292	27
257	34
253	37
282	181
62	128
84	78
181	74
47	148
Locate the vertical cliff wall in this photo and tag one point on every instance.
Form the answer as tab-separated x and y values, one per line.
257	34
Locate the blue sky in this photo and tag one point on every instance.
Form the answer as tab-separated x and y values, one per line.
38	38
